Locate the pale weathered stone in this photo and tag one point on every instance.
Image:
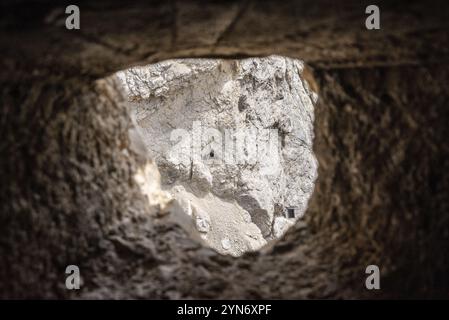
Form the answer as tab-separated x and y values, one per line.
238	129
281	225
202	220
226	244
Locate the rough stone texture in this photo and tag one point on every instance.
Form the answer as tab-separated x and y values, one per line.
69	194
255	116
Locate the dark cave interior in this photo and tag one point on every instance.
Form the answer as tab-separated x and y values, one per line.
67	194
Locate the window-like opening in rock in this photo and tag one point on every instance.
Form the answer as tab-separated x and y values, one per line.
232	141
291	213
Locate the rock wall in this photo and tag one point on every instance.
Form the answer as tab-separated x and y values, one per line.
233	140
69	193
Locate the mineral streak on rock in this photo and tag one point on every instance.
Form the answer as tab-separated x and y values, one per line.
232	140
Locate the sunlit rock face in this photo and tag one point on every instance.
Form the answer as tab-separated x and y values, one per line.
232	140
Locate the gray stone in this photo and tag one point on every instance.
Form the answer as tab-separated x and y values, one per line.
238	130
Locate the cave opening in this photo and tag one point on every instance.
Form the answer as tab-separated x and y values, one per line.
258	184
69	195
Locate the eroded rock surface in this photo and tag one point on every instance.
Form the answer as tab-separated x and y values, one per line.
68	194
233	142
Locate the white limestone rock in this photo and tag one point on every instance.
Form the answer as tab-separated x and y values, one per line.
202	220
281	225
234	134
226	244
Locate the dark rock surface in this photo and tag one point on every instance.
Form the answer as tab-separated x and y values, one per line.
68	197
